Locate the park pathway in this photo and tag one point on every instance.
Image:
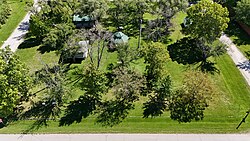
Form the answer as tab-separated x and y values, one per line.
126	137
17	36
238	58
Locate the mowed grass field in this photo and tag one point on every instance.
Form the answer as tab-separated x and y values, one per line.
18	12
224	113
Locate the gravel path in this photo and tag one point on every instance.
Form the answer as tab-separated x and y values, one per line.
238	58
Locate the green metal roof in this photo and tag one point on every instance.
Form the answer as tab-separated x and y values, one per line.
119	38
78	18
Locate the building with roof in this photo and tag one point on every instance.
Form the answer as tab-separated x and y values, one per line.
83	21
116	39
77	56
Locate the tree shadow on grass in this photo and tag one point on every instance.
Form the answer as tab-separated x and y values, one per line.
208	67
45	49
43	112
29	43
78	109
244	65
235	30
187	51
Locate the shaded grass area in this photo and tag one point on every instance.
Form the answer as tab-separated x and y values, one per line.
239	37
226	109
17	14
35	60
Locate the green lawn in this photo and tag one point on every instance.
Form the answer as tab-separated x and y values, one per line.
35	60
17	14
226	109
225	112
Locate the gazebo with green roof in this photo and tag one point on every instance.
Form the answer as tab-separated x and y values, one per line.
83	21
116	39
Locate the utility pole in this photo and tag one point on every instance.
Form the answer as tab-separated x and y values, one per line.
244	119
140	29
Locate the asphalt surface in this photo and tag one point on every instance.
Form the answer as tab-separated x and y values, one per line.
127	137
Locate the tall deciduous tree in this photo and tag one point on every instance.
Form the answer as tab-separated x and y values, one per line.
48	103
57	36
125	89
128	14
51	14
189	102
94	8
207	20
242	11
158	82
15	82
158	28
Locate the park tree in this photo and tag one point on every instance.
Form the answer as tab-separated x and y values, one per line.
5	11
207	20
15	83
125	87
189	101
57	36
50	15
53	92
126	90
157	29
93	8
158	82
128	14
242	11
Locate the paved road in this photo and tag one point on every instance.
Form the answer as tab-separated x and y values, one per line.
127	137
239	59
17	36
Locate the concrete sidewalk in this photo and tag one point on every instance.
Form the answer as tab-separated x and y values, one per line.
17	36
238	58
127	137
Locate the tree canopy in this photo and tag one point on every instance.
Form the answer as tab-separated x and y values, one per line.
242	11
15	83
206	19
189	102
53	16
